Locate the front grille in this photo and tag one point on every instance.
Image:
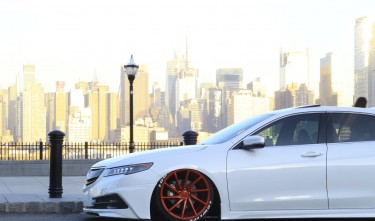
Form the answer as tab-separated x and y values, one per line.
112	201
93	175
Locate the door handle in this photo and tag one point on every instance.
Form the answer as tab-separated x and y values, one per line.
311	154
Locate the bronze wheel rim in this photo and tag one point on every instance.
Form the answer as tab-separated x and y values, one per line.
185	194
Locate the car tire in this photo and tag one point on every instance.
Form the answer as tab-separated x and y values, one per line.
184	195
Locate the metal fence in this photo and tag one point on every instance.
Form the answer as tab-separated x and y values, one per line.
41	150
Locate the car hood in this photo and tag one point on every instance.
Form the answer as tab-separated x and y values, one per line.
147	156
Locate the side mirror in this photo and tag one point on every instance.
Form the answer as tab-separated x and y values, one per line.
253	142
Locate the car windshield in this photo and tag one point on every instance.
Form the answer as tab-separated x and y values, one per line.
234	130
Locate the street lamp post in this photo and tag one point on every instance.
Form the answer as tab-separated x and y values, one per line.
131	69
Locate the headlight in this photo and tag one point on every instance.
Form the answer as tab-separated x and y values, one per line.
128	169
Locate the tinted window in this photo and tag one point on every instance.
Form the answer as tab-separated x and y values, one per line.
350	128
293	130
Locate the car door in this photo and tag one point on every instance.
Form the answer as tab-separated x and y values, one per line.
351	161
288	173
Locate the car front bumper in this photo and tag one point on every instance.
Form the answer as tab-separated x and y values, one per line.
121	196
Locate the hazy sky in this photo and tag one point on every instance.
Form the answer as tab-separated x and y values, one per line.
70	40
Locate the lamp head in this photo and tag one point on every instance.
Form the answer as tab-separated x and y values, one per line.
131	68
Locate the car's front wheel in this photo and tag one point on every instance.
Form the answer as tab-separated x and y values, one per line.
184	195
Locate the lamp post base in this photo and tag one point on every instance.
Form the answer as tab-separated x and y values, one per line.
131	147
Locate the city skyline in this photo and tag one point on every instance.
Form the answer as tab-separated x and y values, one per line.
337	80
241	68
70	41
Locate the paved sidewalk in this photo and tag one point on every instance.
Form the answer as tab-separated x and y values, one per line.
30	194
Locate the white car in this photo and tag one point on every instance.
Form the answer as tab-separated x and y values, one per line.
293	163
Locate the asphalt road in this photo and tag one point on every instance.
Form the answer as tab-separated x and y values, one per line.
85	217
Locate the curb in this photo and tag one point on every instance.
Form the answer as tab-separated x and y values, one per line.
42	207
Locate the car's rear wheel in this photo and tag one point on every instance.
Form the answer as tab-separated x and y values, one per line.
184	195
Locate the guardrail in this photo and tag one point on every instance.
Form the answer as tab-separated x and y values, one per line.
41	150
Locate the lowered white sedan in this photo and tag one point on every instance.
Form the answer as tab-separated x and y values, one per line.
293	163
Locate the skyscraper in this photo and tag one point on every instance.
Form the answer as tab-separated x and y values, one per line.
61	107
96	99
181	87
216	118
190	116
12	109
157	100
214	107
188	84
32	109
362	36
56	104
304	96
243	98
79	125
257	87
171	89
113	117
294	67
326	95
371	69
287	97
243	105
3	111
181	83
230	79
49	103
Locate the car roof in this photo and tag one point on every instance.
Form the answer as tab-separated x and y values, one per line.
316	108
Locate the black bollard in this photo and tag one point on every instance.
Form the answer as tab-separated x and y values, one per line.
361	102
56	139
190	137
